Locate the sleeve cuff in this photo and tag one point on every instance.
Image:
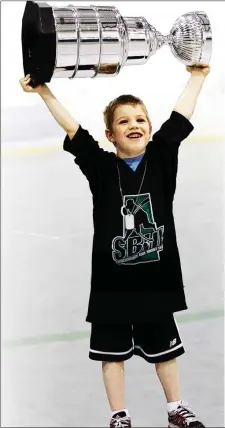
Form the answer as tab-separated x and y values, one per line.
178	117
72	146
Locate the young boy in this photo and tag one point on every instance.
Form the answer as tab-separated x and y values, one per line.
136	283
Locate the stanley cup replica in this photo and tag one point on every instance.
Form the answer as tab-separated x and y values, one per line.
96	41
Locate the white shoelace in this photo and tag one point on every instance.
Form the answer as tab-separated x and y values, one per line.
185	410
121	422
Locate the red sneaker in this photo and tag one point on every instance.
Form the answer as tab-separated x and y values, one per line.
183	417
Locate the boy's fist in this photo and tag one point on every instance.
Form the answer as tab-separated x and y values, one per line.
24	82
201	70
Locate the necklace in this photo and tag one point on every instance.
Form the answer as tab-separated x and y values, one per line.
129	217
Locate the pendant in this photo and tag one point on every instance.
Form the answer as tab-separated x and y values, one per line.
129	221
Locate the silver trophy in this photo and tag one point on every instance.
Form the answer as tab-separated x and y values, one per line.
96	41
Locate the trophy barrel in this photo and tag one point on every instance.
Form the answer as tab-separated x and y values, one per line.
99	41
82	41
90	41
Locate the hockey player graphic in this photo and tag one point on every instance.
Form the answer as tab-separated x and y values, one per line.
135	217
141	240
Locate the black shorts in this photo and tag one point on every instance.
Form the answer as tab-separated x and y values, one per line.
156	342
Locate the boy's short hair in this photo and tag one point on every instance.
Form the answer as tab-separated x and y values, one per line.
121	100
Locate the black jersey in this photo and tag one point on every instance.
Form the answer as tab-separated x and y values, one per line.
136	270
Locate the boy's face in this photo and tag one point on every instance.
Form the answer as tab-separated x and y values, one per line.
131	131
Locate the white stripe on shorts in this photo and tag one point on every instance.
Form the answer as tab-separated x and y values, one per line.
176	324
159	353
111	353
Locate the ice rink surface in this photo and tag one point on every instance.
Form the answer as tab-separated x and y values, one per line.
47	377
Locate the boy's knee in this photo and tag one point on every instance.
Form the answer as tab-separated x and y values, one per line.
118	363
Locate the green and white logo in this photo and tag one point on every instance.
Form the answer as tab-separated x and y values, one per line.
142	240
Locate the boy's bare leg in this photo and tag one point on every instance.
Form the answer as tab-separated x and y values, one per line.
168	375
113	376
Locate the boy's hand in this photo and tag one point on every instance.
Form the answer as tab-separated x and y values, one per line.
24	82
199	71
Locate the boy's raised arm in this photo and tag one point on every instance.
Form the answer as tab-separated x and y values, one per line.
188	99
59	112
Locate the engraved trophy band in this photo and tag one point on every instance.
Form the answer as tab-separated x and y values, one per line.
96	41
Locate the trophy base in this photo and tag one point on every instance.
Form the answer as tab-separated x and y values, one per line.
38	42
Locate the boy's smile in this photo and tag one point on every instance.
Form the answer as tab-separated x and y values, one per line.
130	130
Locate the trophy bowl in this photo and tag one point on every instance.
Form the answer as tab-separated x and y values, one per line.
191	39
